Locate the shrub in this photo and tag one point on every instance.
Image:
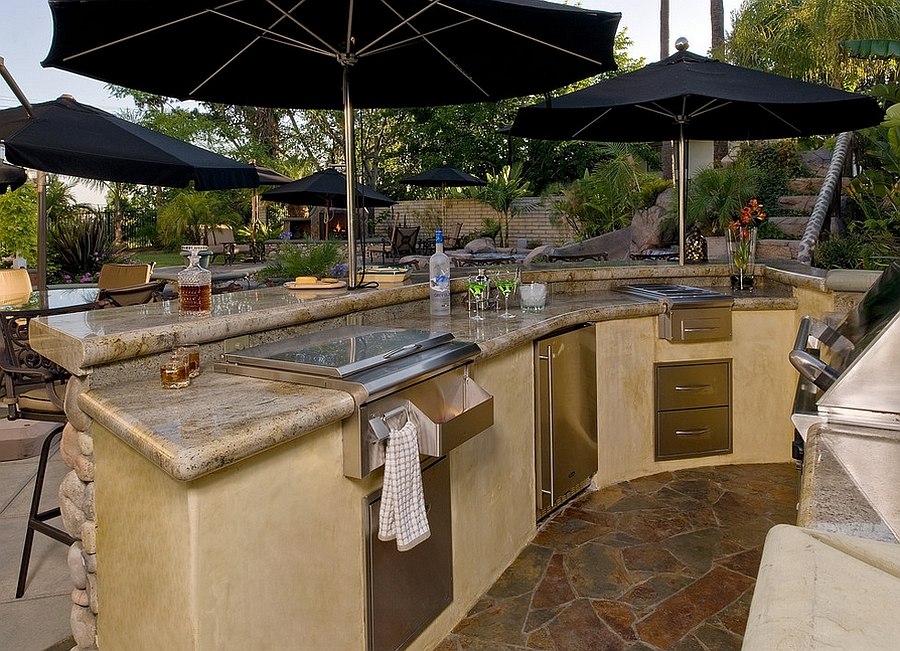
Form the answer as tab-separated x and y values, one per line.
307	259
78	247
855	251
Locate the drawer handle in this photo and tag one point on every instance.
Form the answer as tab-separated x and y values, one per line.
693	387
699	329
692	432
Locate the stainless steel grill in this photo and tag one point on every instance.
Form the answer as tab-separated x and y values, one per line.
692	313
849	372
391	373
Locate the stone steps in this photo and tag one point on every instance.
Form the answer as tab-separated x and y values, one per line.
790	225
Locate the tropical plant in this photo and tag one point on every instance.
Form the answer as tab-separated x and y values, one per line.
304	259
717	194
801	39
185	218
606	199
18	222
78	248
502	192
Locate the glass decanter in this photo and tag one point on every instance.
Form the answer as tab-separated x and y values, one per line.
195	288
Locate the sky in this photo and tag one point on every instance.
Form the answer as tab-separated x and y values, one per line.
26	29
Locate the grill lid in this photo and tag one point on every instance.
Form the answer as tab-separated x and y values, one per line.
340	353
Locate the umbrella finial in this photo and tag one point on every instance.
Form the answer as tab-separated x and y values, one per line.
681	44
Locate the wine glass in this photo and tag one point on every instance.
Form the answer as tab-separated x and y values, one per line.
506	282
476	286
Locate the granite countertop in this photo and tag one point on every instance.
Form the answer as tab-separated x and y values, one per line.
82	340
218	420
826	582
194	431
850	479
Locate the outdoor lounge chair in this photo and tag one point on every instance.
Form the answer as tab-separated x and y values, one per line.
220	240
15	286
117	276
452	236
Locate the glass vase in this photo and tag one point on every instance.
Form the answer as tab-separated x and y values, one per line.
741	247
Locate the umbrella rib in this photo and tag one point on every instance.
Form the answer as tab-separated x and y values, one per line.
141	33
266	34
778	117
404	21
424	38
528	37
590	124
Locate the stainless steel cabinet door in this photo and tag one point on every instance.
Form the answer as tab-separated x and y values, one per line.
566	414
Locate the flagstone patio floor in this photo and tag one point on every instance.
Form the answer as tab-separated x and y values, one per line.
667	561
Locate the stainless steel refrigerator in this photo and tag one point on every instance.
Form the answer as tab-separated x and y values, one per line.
566	415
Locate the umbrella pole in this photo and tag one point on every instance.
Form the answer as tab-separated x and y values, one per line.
682	191
350	162
42	231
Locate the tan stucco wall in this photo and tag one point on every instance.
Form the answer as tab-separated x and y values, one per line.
762	392
262	554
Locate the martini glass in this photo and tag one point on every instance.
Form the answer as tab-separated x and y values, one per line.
506	282
477	285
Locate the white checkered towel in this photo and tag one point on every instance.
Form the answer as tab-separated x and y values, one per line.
402	514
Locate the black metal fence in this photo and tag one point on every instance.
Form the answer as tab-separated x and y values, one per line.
138	226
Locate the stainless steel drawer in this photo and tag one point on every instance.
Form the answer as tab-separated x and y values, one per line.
693	432
696	324
693	385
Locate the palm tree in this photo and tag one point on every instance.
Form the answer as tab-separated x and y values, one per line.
666	151
801	39
501	192
717	22
717	42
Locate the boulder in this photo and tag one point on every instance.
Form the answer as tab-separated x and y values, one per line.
480	245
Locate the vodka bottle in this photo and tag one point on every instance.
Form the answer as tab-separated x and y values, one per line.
439	274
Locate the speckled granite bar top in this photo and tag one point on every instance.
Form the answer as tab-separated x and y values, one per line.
850	480
218	420
82	340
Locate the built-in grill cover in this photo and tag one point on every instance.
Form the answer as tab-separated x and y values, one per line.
366	361
692	313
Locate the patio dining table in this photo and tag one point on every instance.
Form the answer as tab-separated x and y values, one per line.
56	297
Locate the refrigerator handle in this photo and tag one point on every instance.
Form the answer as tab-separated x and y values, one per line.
549	358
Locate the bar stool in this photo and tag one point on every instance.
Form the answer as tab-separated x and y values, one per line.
35	389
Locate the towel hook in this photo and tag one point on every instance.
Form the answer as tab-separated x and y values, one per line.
380	426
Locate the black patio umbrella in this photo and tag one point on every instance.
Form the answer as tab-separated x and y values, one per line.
352	53
269	176
67	137
11	177
326	187
444	177
688	96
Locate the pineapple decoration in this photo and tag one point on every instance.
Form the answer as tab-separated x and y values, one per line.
695	247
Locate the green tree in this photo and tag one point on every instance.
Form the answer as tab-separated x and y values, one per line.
801	39
18	223
606	199
185	218
501	193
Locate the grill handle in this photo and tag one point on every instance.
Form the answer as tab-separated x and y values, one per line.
405	350
809	366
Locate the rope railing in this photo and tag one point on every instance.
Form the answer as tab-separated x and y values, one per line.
824	199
